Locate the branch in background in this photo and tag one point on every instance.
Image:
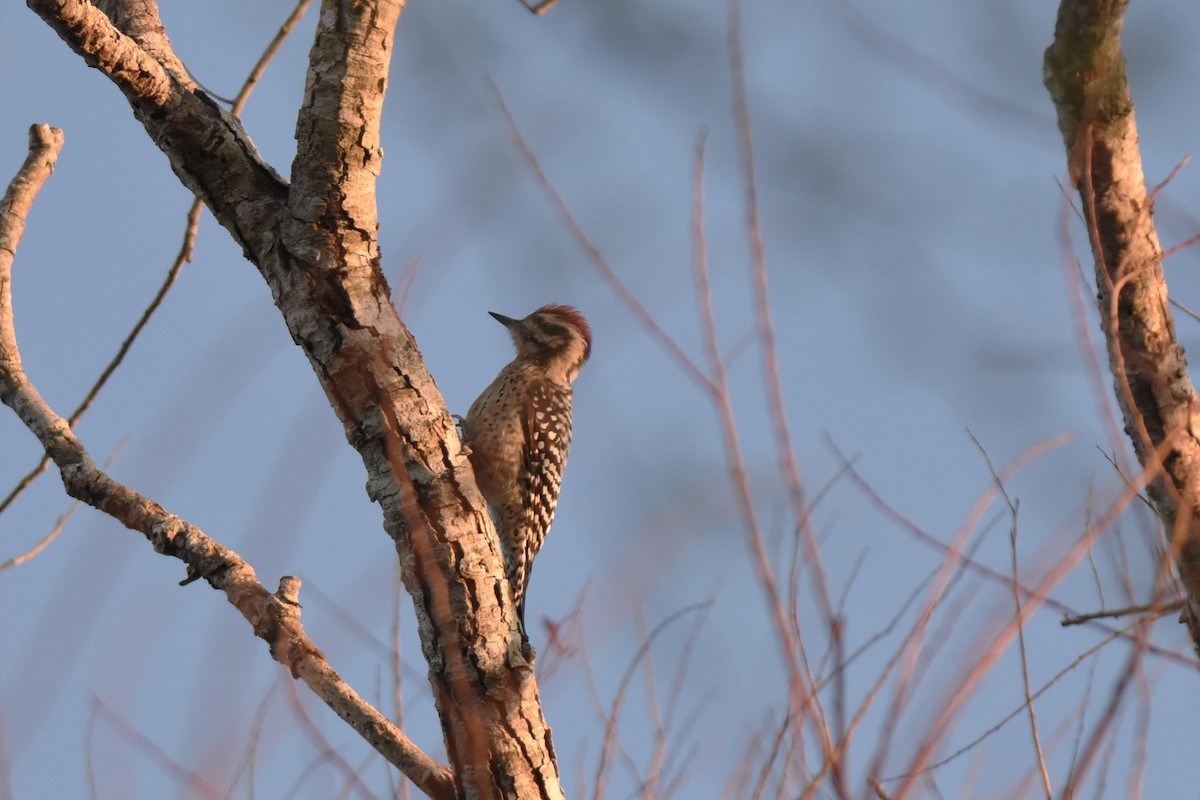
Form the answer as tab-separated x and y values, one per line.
801	684
42	543
1014	513
992	645
642	314
923	536
1154	609
61	523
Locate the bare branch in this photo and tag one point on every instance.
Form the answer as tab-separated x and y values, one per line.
613	715
789	467
260	66
801	684
44	145
275	621
1085	75
1153	609
992	645
992	575
42	543
207	147
1013	509
139	20
195	783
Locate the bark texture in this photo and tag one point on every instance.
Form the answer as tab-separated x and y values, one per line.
1085	74
314	242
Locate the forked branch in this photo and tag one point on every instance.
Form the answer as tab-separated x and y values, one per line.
315	243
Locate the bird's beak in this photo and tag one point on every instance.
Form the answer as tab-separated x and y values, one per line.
507	322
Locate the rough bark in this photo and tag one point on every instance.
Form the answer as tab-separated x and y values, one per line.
314	242
1085	74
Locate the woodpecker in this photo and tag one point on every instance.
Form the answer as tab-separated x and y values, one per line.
518	432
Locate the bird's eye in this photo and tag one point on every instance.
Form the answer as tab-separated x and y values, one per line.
553	329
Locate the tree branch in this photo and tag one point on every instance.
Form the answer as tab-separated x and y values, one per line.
1085	75
44	145
275	619
207	146
315	244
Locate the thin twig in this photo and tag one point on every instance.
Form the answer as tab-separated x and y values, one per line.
43	542
58	525
1013	508
658	753
249	758
953	563
1107	722
560	634
397	664
323	746
192	783
191	229
610	728
89	748
1155	609
1092	566
663	720
1185	244
739	780
884	674
800	681
623	292
1185	309
539	8
993	646
925	537
764	774
408	279
877	787
260	67
773	384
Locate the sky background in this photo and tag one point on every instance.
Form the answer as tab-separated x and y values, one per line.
910	175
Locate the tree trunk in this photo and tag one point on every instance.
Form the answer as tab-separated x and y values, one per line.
314	242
